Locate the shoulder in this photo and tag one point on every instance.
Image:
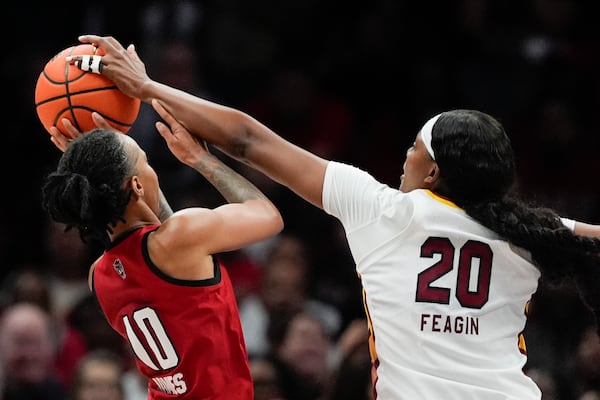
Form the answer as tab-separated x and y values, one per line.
338	168
182	223
91	273
343	180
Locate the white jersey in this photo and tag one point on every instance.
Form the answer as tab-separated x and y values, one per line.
445	297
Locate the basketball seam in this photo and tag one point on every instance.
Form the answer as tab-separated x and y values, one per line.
66	104
106	117
67	94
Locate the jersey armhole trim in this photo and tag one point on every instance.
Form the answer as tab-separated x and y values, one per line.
181	282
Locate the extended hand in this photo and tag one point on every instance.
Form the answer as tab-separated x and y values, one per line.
187	148
121	65
62	142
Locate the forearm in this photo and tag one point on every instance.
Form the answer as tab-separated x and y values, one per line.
230	184
245	139
219	125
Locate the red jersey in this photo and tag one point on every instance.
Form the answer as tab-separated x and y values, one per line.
186	335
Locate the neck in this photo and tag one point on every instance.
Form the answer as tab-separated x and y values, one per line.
135	217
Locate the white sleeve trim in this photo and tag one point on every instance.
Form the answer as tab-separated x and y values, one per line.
569	223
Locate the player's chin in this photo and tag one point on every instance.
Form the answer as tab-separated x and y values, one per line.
405	185
401	183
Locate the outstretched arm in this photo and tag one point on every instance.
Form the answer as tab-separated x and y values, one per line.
584	229
248	217
236	133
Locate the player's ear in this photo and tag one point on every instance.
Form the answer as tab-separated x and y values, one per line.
434	174
136	185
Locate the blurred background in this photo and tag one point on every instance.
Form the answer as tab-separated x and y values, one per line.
349	81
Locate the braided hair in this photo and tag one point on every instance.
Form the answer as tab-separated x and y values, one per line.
87	189
477	171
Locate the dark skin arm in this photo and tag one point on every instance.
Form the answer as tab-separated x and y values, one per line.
236	133
233	131
184	244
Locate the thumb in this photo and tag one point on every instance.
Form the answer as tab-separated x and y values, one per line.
131	51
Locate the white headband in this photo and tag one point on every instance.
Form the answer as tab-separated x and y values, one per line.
426	134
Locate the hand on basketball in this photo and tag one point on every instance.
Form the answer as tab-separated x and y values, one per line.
123	66
62	142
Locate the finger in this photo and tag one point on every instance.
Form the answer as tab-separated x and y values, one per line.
164	131
164	114
95	40
60	146
133	53
87	62
90	39
70	128
108	43
59	140
100	121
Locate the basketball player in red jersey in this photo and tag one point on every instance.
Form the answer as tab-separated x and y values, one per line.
158	282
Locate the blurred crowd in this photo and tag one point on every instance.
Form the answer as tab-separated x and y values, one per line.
349	81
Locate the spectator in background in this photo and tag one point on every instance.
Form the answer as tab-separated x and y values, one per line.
283	289
87	319
351	379
135	385
27	354
267	382
98	377
301	350
546	381
27	284
586	374
31	285
590	395
68	261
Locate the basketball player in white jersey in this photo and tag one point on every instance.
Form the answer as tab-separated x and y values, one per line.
448	262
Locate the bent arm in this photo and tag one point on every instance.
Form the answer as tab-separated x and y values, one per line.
237	134
245	139
249	217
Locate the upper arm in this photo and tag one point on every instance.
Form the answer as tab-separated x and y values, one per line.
584	229
91	275
228	227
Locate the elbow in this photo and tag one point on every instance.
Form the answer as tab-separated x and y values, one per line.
241	141
276	222
270	221
279	224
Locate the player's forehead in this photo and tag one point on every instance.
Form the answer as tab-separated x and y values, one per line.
419	140
128	142
131	147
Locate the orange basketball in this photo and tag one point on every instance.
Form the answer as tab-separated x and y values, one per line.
65	91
